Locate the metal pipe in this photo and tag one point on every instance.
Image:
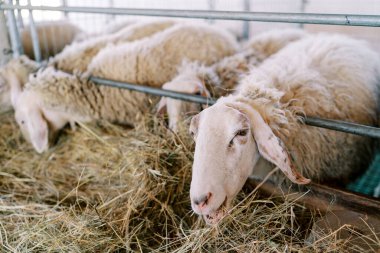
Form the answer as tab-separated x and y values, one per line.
337	125
211	7
344	126
5	46
153	91
34	35
20	21
246	26
13	32
305	18
64	4
303	9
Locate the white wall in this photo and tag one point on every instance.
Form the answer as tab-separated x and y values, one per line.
95	22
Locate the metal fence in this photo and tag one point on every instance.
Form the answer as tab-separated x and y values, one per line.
300	18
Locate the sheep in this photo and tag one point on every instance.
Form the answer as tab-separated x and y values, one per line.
222	77
54	98
53	37
154	60
260	127
77	56
110	28
13	76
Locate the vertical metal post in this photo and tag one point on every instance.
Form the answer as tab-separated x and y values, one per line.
34	36
14	34
302	10
246	24
64	4
5	47
211	7
113	16
20	22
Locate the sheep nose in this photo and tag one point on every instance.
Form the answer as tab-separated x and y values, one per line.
203	200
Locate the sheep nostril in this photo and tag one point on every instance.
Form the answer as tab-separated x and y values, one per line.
203	201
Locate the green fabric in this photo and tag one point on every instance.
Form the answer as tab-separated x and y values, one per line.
369	181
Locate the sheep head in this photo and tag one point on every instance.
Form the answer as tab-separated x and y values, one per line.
176	109
38	125
230	138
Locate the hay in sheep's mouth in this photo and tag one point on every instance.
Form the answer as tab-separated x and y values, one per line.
105	188
217	215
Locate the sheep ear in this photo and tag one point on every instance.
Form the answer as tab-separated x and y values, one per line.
201	90
194	124
38	129
161	108
271	148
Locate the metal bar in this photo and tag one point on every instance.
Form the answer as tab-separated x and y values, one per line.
305	18
211	7
13	32
343	126
5	46
337	125
303	9
246	24
154	91
64	4
34	35
20	21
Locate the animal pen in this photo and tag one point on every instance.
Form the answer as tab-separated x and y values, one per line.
81	219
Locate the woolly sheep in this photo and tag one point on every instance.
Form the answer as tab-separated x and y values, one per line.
154	60
110	28
13	76
53	98
53	37
78	55
222	77
258	127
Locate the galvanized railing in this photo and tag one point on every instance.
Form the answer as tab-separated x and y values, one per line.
326	19
337	125
309	18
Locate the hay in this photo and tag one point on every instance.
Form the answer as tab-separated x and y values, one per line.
105	188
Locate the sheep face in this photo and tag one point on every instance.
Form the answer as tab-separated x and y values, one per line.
177	109
30	119
38	125
230	138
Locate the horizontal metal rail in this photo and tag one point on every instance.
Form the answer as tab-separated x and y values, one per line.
337	125
303	18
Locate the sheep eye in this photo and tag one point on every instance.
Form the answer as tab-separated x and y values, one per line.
231	143
242	132
22	122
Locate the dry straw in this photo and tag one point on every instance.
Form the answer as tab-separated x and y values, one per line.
106	188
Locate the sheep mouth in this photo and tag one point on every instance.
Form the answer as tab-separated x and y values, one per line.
216	216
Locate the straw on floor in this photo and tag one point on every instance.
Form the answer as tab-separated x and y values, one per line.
106	188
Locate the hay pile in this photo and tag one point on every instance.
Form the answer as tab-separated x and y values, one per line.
105	188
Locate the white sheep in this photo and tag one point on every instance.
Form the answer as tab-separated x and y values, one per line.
78	55
222	77
154	60
13	76
53	98
74	57
110	28
259	128
53	36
